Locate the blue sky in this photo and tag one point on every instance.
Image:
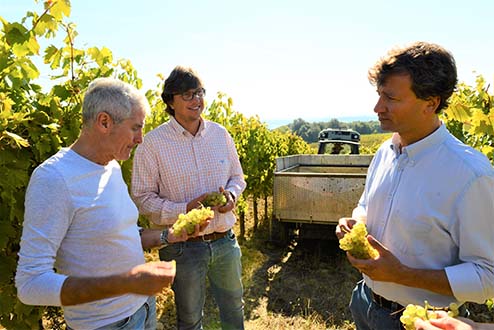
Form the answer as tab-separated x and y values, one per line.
280	59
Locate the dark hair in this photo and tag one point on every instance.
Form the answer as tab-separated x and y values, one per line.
431	68
180	80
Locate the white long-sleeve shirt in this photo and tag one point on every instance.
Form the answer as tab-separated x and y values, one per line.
172	167
80	220
432	206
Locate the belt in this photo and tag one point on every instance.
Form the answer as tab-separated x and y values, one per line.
397	308
208	237
385	303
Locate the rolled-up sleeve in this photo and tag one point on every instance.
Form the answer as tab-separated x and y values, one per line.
473	279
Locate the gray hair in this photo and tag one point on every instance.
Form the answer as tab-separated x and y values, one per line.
115	97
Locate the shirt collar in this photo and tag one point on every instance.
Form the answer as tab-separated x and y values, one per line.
415	149
180	130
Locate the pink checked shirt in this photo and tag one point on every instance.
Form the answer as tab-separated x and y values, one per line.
172	167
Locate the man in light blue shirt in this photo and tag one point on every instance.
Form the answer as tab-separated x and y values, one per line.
428	201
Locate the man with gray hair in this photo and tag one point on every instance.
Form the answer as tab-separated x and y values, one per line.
81	247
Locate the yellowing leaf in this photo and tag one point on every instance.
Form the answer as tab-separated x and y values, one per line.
60	8
5	104
459	111
481	123
29	70
101	57
29	47
46	23
19	141
487	150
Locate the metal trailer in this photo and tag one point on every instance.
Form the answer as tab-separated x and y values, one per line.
312	192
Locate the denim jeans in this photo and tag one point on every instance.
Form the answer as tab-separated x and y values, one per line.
143	319
368	315
219	261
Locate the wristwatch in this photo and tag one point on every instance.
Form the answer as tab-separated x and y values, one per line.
232	195
164	238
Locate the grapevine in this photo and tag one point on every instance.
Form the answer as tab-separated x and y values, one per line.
426	312
355	242
192	218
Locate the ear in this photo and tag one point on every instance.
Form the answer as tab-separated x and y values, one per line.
104	122
432	104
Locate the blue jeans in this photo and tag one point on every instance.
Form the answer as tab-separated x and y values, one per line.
220	262
143	319
368	315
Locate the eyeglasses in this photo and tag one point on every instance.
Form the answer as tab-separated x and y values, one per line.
188	96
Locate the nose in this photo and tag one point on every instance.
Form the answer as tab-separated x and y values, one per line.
379	107
138	137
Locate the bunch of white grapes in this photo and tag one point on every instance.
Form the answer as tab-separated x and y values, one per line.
355	242
189	220
426	312
214	199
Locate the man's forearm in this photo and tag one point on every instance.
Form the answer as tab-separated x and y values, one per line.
428	279
146	279
150	238
80	290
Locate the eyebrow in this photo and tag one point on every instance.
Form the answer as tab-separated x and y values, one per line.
382	91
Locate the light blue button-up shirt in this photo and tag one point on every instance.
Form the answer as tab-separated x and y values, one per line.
432	206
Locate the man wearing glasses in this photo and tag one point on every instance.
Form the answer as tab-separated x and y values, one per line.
177	164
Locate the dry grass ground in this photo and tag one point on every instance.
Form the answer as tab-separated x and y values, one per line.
304	285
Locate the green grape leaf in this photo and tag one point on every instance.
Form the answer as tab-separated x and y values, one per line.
15	33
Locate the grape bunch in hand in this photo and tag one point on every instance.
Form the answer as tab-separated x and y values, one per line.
355	241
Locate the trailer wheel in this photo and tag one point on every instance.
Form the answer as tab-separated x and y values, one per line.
279	232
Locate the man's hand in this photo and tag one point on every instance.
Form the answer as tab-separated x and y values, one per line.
182	236
230	203
446	322
196	203
344	226
145	279
151	238
386	267
151	278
